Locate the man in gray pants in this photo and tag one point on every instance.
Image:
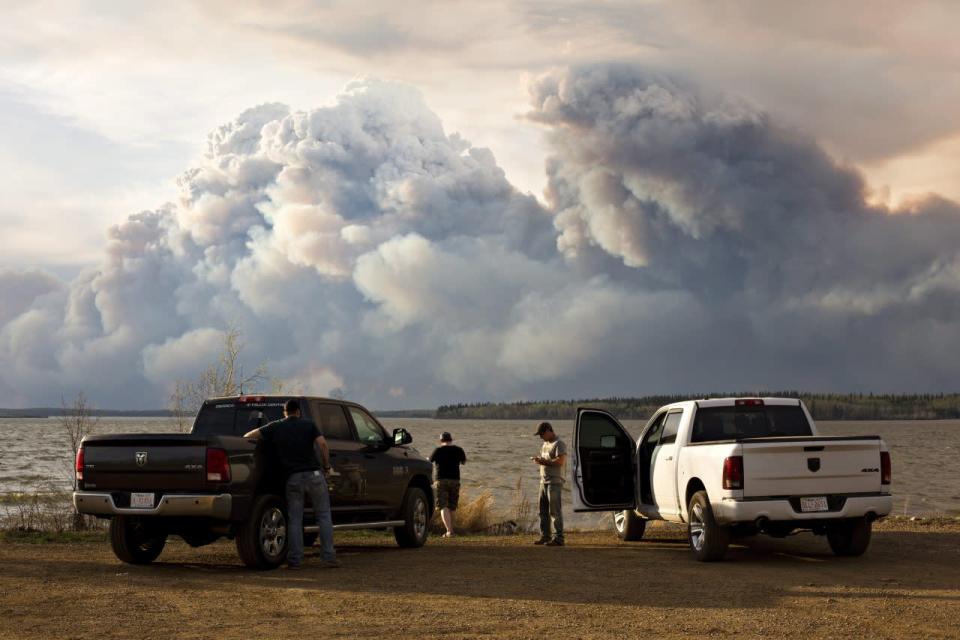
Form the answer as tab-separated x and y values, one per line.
296	442
553	455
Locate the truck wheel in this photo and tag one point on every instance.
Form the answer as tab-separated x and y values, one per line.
708	540
629	525
850	538
134	541
413	532
262	539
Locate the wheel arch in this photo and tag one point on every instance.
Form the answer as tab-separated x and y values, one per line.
423	482
693	485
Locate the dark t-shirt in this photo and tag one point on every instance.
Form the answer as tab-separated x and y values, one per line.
448	459
292	441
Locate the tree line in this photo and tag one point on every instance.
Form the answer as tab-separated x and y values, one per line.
823	406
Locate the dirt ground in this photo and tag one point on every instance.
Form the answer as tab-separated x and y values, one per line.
907	585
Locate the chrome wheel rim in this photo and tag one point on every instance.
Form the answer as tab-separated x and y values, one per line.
619	520
697	531
273	532
420	518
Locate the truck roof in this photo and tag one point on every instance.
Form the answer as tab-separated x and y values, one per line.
264	397
729	402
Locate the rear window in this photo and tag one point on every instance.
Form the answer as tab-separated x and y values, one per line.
230	418
729	423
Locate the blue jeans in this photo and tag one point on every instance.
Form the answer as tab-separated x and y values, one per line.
551	508
315	484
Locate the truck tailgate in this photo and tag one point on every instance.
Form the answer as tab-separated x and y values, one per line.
171	462
810	466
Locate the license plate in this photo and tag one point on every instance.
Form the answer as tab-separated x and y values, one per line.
141	500
814	504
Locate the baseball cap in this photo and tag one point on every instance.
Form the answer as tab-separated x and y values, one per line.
446	437
542	427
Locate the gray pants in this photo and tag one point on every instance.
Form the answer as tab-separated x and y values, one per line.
551	509
299	485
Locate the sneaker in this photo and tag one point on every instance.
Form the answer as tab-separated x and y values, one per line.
542	541
556	542
330	564
448	534
294	567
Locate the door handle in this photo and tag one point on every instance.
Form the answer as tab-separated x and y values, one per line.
668	458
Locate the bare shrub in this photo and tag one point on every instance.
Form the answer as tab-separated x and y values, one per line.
225	377
78	421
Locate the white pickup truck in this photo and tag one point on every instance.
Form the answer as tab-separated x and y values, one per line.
732	467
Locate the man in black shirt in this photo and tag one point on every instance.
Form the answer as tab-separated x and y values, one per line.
448	457
295	442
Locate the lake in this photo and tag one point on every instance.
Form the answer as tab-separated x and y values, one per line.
34	455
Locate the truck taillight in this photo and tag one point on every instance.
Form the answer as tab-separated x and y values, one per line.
748	402
79	465
733	472
218	466
886	470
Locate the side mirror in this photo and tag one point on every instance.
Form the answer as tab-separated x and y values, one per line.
401	436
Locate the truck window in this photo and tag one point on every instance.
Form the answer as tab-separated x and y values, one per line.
331	419
597	431
230	418
368	430
729	423
670	427
652	435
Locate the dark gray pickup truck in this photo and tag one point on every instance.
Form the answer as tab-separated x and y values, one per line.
213	482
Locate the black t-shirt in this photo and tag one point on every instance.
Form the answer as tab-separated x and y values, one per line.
448	458
292	441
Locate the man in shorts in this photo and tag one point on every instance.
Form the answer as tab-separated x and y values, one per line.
448	457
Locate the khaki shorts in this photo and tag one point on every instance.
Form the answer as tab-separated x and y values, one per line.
448	494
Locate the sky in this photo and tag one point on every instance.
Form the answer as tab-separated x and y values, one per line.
421	203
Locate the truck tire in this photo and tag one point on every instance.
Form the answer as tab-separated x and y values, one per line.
133	541
708	540
262	539
413	533
850	538
629	525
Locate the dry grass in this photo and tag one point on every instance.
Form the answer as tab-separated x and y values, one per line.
479	514
43	511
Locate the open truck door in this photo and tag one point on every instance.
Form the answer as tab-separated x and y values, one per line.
603	463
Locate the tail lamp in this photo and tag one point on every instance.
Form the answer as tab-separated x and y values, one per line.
733	472
218	466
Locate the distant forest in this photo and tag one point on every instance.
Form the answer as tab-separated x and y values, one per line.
823	406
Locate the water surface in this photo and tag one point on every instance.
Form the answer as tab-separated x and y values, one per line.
35	455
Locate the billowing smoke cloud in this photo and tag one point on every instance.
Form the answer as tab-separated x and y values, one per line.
803	283
688	243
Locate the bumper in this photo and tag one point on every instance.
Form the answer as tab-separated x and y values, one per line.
730	511
209	506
